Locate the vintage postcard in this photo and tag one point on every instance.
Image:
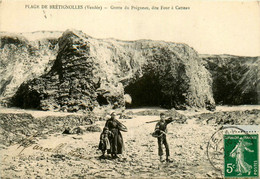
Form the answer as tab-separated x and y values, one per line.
129	89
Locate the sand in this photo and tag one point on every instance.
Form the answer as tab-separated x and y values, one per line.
78	156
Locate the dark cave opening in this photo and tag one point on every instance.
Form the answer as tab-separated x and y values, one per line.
26	98
30	100
102	100
146	91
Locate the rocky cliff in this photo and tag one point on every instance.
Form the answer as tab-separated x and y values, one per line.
236	80
24	57
90	72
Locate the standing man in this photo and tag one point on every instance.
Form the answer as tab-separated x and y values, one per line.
160	133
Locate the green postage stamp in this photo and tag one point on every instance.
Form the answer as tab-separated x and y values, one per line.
241	155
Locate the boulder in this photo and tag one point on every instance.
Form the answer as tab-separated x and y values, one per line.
93	128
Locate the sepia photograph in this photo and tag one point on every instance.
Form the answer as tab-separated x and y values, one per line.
129	89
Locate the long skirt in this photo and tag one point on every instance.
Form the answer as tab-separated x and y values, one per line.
241	165
116	142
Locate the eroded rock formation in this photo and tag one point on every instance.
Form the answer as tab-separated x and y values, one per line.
236	80
22	59
91	72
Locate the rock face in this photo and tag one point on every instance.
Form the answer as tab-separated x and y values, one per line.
22	59
91	72
235	79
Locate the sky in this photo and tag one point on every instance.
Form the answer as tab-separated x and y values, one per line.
231	27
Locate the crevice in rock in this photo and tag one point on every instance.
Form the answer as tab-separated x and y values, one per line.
102	101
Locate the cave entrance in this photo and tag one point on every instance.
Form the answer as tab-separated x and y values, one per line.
146	91
27	100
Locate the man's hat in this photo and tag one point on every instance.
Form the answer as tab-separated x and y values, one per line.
162	114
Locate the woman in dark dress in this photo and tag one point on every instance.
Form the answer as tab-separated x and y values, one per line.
116	141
